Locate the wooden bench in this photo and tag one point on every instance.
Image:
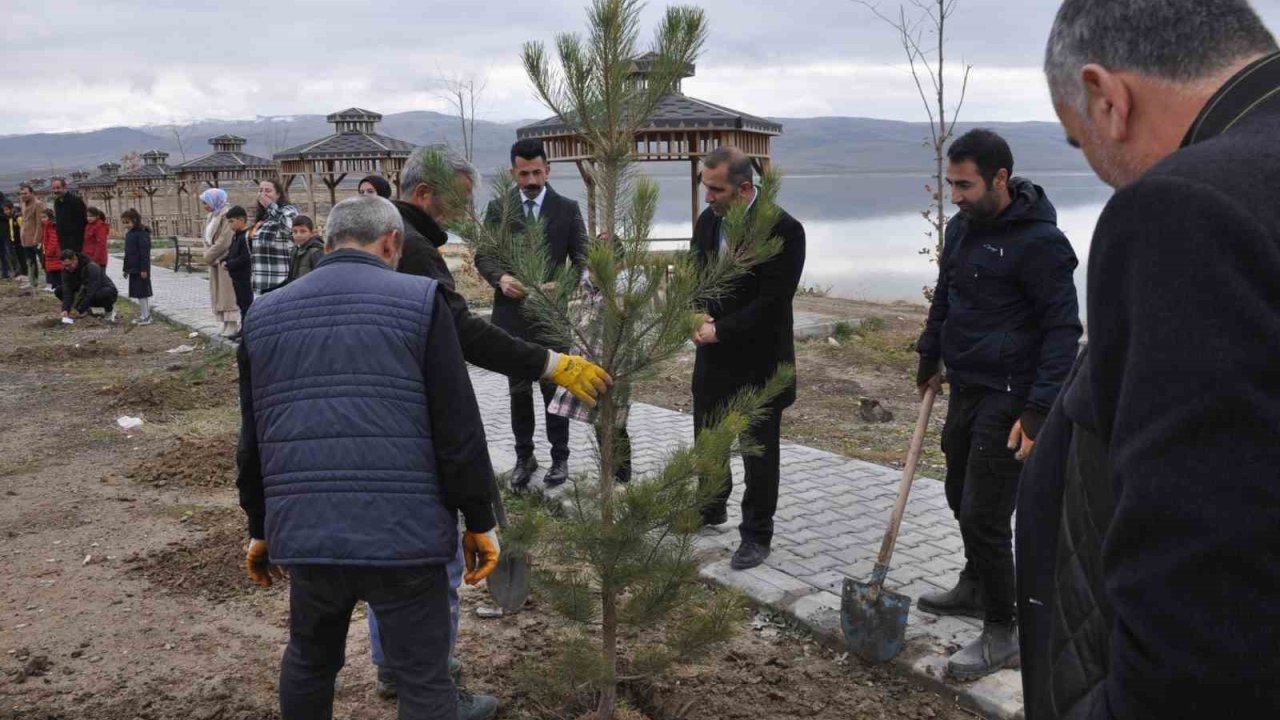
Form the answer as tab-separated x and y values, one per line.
184	249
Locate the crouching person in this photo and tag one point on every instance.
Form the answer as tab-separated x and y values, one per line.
355	486
85	286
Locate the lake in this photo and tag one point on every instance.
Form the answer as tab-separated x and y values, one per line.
864	232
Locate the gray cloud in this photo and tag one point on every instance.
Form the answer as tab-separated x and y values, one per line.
83	65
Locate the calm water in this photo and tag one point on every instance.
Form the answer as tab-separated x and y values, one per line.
865	232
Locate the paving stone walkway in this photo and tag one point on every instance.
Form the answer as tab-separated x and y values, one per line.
831	516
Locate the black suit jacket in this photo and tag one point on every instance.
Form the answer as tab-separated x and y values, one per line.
754	322
70	218
566	238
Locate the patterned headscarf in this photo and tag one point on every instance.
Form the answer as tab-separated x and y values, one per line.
215	198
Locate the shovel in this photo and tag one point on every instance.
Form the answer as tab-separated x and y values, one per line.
875	619
509	581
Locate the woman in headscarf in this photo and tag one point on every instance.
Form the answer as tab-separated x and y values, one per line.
217	242
375	185
271	237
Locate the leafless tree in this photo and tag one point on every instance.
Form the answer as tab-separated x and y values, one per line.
181	136
928	63
462	93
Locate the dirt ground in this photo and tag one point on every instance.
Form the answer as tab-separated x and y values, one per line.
121	590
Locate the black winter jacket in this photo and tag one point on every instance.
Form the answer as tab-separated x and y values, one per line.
70	218
137	251
88	281
1004	314
239	259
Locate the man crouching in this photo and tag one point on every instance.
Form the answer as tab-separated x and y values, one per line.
360	442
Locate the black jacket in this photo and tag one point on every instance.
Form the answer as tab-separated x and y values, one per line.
70	217
89	282
566	238
239	259
483	344
303	260
1004	313
137	251
1149	515
754	321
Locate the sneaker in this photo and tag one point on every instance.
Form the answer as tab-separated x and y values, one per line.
142	321
49	288
963	599
996	648
111	317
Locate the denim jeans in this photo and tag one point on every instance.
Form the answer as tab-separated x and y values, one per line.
412	603
454	568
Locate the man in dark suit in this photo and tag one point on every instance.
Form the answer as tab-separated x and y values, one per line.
566	241
746	335
70	216
1147	522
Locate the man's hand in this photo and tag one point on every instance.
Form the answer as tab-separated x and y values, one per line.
511	287
480	553
706	334
258	564
1020	441
584	379
935	382
144	275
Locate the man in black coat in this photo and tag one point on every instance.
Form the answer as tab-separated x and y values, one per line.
70	216
85	285
1005	321
566	242
746	335
1149	522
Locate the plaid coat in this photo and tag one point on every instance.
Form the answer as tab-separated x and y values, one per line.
272	240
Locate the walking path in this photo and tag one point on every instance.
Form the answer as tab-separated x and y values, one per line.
831	517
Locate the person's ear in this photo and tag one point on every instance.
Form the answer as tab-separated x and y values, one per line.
1109	101
1002	178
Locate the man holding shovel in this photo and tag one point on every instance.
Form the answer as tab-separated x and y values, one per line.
1005	322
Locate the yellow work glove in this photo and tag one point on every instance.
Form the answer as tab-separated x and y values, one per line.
480	553
258	564
581	377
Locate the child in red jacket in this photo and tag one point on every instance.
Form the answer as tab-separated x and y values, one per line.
52	263
95	237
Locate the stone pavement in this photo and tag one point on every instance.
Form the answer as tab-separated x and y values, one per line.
831	517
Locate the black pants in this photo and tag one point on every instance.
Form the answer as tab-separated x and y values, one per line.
105	299
55	280
20	257
33	263
244	297
522	422
982	489
762	471
412	606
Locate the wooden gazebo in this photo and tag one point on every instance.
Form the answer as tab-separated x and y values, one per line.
227	163
354	148
78	177
682	129
153	177
103	187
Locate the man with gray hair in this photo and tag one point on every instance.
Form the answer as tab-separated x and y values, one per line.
1149	511
360	442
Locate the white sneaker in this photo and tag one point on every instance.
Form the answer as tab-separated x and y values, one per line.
142	321
111	316
49	288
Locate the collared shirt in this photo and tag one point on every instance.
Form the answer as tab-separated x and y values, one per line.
1252	88
537	203
724	239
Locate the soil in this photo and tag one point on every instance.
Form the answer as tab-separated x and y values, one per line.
122	594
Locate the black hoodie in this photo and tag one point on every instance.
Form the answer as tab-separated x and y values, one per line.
1004	314
89	281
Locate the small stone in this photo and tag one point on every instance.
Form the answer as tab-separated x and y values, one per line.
77	653
872	411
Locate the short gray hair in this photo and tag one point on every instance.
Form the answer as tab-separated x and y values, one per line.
433	166
738	162
361	219
1180	41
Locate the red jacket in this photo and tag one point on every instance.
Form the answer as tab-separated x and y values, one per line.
52	251
95	242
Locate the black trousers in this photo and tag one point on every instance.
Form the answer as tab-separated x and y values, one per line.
522	422
762	471
244	297
33	262
982	489
412	606
19	257
105	299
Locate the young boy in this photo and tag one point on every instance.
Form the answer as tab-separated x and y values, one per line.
239	263
308	248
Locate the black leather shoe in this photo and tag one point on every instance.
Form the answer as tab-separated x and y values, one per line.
715	516
963	599
748	555
557	475
522	473
622	475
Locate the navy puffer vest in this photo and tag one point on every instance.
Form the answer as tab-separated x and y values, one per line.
348	467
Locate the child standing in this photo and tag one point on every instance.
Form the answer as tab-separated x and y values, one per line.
308	248
239	264
52	261
137	263
95	237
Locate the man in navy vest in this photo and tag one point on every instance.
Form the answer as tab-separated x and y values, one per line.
361	440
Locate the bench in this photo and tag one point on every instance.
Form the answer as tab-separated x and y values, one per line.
184	250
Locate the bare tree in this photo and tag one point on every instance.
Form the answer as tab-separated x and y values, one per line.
181	135
130	161
929	63
462	92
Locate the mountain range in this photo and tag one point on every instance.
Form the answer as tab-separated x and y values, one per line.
823	145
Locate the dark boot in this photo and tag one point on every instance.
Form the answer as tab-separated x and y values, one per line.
995	649
715	516
749	554
522	473
557	475
476	707
963	599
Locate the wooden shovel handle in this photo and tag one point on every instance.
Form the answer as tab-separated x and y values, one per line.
904	488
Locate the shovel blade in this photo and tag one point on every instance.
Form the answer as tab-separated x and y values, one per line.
874	630
509	582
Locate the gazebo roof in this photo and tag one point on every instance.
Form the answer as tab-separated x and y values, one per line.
153	169
226	157
105	179
355	138
675	112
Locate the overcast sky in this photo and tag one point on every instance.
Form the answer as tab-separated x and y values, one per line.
80	65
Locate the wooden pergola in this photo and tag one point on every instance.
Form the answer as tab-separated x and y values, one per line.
354	148
228	163
681	129
153	177
78	177
103	187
